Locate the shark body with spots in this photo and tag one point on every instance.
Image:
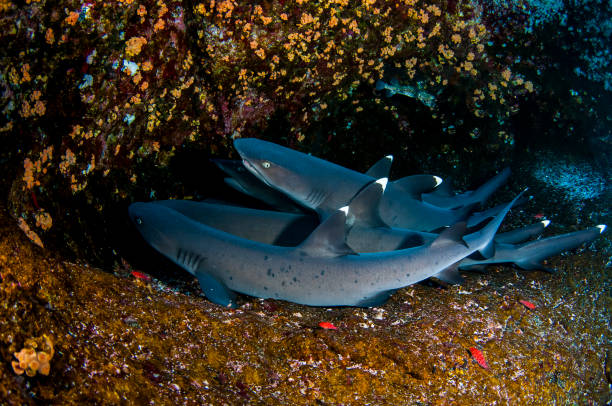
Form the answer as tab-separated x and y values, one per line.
321	271
289	230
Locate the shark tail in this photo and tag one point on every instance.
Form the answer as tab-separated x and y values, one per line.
479	217
530	255
485	191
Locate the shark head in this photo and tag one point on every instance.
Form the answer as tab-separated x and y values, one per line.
153	221
279	167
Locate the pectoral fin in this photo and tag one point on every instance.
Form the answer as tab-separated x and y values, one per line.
215	290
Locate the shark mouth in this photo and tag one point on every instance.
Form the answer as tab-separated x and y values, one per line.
253	169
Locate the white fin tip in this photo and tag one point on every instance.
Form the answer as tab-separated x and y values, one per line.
389	157
344	209
438	180
546	223
602	228
383	182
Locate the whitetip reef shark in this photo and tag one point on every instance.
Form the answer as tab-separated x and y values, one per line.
530	255
321	271
245	182
324	186
366	231
289	230
442	196
433	189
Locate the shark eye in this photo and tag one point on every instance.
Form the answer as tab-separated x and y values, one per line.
265	164
138	220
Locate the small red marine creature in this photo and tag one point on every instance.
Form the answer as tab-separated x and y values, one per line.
140	275
527	304
327	326
479	357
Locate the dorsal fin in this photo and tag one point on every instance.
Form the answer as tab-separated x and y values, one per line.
329	238
381	168
363	208
452	234
417	184
444	189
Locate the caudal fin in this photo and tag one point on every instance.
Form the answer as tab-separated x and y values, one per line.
485	191
480	216
530	255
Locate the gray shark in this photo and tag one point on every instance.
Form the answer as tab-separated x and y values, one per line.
265	226
530	255
321	271
286	229
324	186
431	188
290	229
245	182
442	195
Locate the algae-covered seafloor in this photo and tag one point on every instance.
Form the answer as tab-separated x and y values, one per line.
124	337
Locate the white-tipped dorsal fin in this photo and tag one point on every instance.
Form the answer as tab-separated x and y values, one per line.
602	228
344	209
438	180
383	183
364	205
381	168
415	185
546	223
